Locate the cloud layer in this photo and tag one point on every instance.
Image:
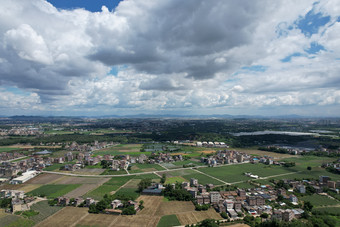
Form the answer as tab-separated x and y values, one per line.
239	57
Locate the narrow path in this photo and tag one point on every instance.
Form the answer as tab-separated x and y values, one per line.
113	192
157	174
162	166
211	176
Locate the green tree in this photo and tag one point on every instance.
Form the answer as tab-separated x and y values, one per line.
163	179
144	183
130	210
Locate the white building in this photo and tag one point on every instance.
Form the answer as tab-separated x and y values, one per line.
25	177
215	197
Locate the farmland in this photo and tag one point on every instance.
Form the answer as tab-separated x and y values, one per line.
168	220
53	190
138	168
319	200
44	210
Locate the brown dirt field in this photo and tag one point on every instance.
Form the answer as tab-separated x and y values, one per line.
89	171
11	186
82	190
239	225
174	207
151	204
136	221
262	153
81	180
98	220
178	153
208	152
187	218
29	187
44	178
65	217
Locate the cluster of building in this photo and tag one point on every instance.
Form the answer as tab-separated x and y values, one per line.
11	169
74	146
21	131
4	156
19	200
226	157
211	144
233	203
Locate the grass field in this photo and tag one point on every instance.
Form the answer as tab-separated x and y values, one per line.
112	172
15	221
319	200
171	180
120	149
44	210
187	162
53	167
328	210
168	221
138	168
202	179
254	151
9	149
53	190
131	192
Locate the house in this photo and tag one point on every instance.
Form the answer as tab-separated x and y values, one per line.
19	205
215	197
293	199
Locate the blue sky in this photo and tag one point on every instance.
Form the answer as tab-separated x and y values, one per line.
73	57
90	5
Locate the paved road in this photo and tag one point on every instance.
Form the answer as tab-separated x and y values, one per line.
137	174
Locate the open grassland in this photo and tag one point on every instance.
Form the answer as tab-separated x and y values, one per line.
320	200
44	210
168	221
188	218
65	217
53	190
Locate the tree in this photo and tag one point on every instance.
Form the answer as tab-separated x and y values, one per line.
163	179
224	215
130	210
141	207
309	168
144	183
208	223
308	206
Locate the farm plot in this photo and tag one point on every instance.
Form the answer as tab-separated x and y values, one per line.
81	180
89	171
168	221
139	168
172	180
44	210
202	179
177	173
193	217
109	186
136	221
235	173
174	207
15	221
127	192
44	178
65	217
29	187
328	210
151	204
53	190
320	200
80	191
99	220
255	151
189	162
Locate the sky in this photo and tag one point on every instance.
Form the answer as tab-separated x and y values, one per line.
193	57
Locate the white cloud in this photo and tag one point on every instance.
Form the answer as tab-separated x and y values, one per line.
171	55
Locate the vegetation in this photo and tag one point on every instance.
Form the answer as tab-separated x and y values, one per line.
53	190
168	221
176	194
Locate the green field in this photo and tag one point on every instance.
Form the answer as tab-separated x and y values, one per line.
121	149
8	149
319	200
171	180
131	192
139	168
44	210
168	220
328	210
53	190
202	179
113	172
187	162
15	221
53	167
